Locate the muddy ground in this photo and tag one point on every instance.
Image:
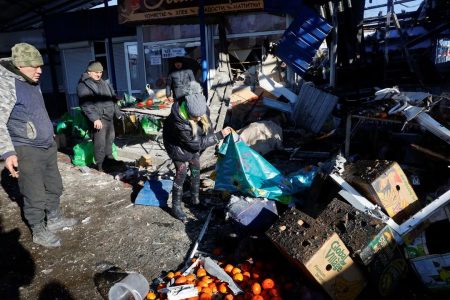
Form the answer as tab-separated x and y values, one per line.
114	232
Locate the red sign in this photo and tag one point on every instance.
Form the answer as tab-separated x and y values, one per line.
146	10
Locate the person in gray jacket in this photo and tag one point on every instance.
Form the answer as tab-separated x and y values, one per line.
28	146
98	102
178	79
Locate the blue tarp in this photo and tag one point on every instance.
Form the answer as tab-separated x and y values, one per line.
154	193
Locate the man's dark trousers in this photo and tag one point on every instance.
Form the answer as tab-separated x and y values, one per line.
40	182
103	140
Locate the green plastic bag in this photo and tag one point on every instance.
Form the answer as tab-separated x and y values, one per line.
64	124
239	168
80	125
150	126
84	153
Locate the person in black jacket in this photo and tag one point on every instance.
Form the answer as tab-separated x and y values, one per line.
178	79
98	102
186	132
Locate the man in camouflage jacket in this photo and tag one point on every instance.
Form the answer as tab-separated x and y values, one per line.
27	143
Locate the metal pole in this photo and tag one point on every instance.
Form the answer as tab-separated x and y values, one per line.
110	50
204	62
333	48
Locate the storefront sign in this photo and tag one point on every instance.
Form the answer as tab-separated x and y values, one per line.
146	10
172	52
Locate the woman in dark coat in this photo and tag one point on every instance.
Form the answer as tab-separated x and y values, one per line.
186	132
98	102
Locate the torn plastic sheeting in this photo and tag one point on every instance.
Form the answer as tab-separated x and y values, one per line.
241	169
215	270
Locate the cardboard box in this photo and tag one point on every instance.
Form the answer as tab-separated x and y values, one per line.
333	268
433	270
384	183
384	261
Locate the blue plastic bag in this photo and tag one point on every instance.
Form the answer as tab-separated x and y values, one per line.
241	169
154	193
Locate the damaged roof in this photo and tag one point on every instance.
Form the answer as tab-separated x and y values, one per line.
28	14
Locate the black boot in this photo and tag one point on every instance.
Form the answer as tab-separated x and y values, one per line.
195	188
177	210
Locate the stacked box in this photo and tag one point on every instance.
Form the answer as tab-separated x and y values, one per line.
384	183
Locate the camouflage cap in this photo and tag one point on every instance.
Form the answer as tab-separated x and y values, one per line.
26	55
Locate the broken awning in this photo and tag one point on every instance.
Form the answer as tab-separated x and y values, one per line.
302	39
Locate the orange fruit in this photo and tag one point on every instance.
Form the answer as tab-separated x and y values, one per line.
238	277
204	296
245	266
256	288
199	288
228	297
255	274
274	292
170	275
235	271
177	274
206	290
192	298
151	296
180	280
257	297
201	272
213	287
202	284
268	283
228	268
222	288
207	279
246	275
190	277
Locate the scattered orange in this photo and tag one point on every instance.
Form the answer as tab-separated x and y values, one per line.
170	275
256	288
204	296
207	279
151	296
255	274
268	283
257	297
228	268
190	277
274	292
228	297
192	298
245	266
235	271
206	290
201	272
246	275
180	280
213	287
238	277
223	288
177	274
202	284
